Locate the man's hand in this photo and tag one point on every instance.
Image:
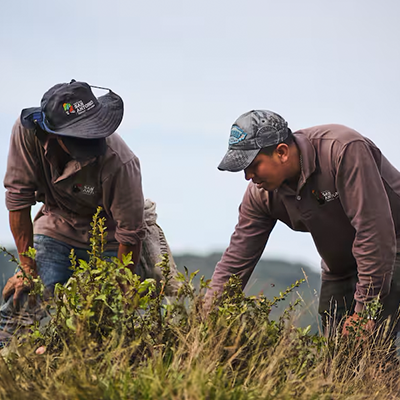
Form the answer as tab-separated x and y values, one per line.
353	321
18	284
22	230
130	248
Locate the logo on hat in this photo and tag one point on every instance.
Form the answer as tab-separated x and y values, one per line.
81	107
68	108
237	135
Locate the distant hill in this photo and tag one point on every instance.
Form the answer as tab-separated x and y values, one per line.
269	277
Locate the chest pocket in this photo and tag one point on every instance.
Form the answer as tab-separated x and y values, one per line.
86	194
81	192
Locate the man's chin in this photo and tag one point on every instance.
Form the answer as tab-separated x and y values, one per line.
266	186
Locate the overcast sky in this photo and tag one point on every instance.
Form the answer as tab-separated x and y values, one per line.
186	70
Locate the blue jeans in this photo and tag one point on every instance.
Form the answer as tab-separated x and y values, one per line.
52	260
53	266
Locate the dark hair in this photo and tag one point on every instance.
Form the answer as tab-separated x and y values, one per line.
270	149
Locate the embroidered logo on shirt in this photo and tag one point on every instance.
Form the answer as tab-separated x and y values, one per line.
237	135
77	188
85	189
325	196
89	190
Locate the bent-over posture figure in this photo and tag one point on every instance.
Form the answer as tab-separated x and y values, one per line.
327	180
67	155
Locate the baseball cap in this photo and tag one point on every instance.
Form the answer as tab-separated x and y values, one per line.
250	133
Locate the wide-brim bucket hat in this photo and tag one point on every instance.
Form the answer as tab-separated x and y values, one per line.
71	109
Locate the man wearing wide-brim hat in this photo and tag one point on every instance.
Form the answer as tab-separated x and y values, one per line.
333	182
67	155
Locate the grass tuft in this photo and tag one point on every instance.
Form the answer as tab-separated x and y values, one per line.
114	337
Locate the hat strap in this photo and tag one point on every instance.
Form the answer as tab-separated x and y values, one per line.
100	87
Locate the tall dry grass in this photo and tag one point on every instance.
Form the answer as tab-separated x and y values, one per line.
107	343
205	363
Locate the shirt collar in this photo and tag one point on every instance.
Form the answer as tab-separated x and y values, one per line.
307	163
52	150
308	155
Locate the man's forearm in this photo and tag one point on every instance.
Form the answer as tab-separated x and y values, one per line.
22	230
126	249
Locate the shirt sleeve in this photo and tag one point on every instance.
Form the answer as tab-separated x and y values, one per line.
365	202
247	242
22	174
123	201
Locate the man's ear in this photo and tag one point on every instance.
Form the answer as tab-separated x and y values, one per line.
282	151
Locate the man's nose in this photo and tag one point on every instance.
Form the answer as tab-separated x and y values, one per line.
248	174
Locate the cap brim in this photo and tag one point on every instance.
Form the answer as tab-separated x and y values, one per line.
95	126
237	160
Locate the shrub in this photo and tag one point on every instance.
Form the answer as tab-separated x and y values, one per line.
115	337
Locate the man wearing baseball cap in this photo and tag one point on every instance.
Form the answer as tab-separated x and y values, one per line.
332	182
67	155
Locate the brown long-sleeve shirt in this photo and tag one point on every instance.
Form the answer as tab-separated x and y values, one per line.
348	198
71	191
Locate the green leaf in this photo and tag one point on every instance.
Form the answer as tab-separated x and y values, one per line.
193	274
31	253
180	277
127	259
101	297
70	324
83	264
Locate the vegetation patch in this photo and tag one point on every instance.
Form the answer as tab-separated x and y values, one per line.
112	336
